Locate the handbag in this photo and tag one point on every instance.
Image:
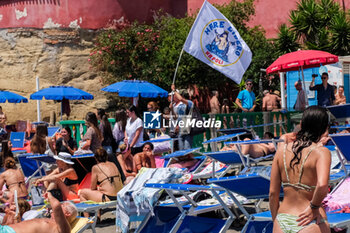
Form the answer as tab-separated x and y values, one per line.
37	195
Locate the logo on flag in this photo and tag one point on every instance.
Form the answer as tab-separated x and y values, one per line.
215	41
220	44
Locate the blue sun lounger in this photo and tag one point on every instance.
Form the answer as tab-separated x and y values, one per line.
52	131
31	168
17	139
180	218
253	184
169	157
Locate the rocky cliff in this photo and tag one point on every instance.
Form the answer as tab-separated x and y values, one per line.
57	57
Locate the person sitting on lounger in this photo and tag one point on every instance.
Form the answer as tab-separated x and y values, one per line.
254	150
62	217
302	168
105	180
13	178
145	158
63	181
127	163
186	161
41	143
6	151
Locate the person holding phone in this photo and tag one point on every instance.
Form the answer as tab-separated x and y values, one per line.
325	92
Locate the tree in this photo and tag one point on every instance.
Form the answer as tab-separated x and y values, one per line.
150	52
320	25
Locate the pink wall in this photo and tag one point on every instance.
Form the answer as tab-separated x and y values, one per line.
268	13
89	14
95	14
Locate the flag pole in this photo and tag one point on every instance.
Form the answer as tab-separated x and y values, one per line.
177	65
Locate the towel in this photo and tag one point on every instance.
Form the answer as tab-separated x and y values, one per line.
135	199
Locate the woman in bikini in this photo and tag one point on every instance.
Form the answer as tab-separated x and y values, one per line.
302	168
145	158
127	163
63	181
13	178
105	180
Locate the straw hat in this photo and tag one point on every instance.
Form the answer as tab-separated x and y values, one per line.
65	157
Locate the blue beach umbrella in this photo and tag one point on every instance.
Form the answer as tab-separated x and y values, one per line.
11	97
60	93
136	88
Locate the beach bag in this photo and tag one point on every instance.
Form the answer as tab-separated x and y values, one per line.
37	195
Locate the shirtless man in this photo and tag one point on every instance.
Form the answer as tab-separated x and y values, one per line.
214	103
340	97
270	102
60	222
254	150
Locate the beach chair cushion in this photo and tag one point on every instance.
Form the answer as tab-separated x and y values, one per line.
30	166
201	225
163	220
78	224
341	141
251	186
17	139
226	157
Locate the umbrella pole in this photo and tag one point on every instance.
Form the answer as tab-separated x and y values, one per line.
38	101
304	87
61	108
283	98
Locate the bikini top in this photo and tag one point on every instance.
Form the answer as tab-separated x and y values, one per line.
298	185
109	178
19	183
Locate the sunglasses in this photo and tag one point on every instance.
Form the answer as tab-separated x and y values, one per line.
323	77
249	84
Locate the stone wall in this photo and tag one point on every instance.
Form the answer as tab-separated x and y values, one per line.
57	57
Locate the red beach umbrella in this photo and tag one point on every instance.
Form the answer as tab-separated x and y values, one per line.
300	60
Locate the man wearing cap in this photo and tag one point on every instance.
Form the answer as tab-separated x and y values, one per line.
325	92
246	98
180	108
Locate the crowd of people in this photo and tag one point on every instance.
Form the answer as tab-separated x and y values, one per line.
120	153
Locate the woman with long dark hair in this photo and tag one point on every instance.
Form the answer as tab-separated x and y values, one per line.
93	137
106	130
6	146
41	143
66	143
133	130
119	127
302	168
